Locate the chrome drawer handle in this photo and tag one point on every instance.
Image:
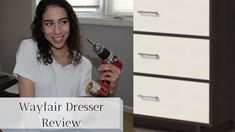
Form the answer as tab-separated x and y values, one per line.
149	98
149	13
153	56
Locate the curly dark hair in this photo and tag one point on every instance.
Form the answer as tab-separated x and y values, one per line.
74	39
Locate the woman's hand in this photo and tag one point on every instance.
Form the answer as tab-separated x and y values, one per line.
111	73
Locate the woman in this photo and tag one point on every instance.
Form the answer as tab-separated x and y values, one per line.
51	64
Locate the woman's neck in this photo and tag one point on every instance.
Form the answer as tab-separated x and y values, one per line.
60	52
61	55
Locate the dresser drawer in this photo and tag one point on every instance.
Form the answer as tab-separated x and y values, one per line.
182	57
173	99
172	16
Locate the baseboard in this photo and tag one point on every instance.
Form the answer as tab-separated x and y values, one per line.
128	109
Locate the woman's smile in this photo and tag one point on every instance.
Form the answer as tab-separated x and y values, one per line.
57	39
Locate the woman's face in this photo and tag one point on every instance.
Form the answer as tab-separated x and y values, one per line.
56	26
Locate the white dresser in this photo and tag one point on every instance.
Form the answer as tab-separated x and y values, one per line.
183	63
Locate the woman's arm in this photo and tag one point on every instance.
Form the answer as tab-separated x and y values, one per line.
26	87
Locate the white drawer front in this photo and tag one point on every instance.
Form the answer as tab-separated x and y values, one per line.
181	57
173	16
182	100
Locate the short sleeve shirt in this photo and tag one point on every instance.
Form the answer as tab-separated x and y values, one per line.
52	80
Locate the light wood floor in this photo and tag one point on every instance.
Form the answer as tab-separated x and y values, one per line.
127	122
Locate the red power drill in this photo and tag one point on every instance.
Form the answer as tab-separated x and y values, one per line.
102	89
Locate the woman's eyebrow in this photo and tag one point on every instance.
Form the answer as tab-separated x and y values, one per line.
64	18
49	20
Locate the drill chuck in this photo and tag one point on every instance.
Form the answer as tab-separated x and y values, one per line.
100	50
